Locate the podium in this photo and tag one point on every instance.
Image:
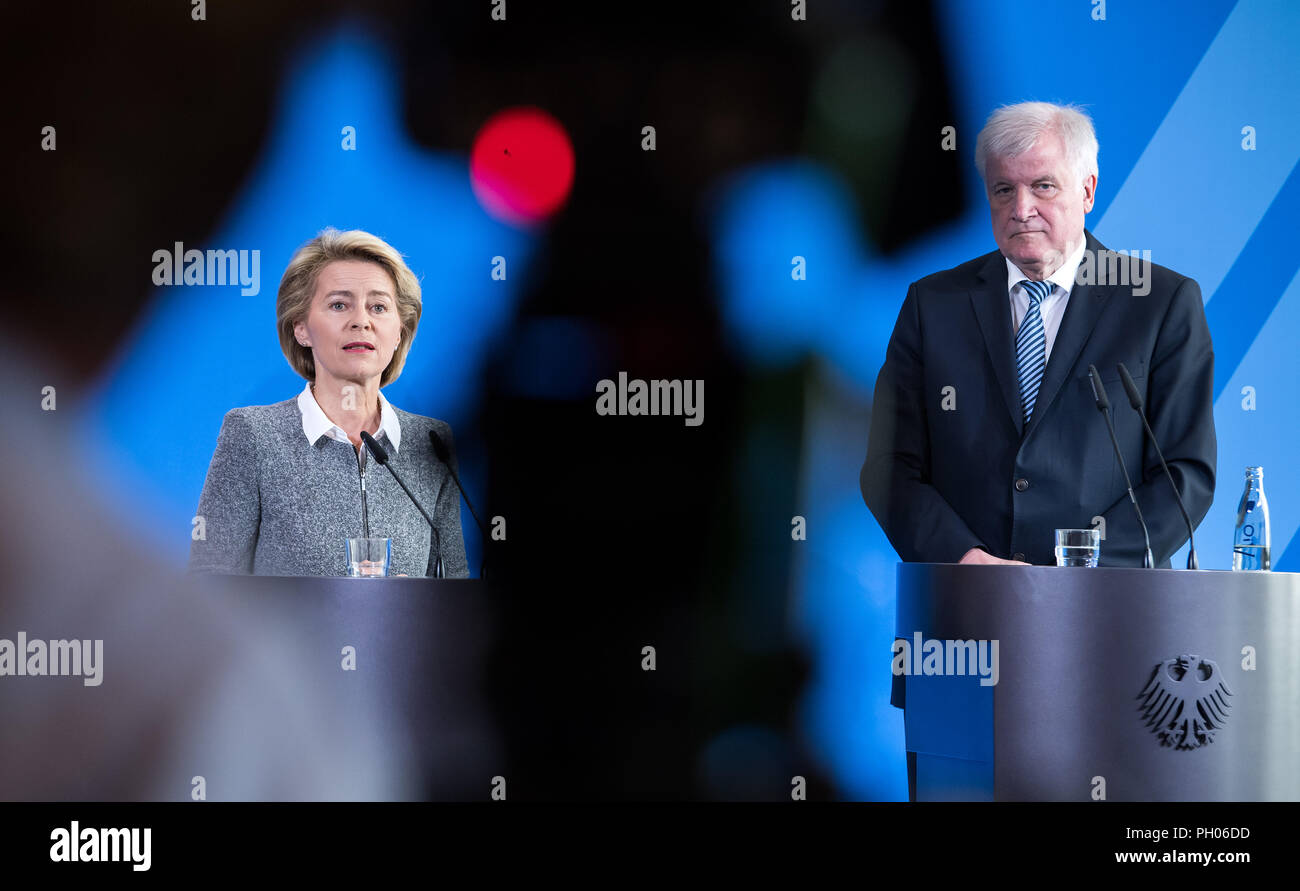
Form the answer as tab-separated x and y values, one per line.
415	693
1127	684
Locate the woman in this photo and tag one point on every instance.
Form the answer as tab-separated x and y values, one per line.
290	482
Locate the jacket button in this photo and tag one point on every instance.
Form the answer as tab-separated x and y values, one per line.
1022	484
1018	556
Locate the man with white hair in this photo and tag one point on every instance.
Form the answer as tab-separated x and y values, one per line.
985	435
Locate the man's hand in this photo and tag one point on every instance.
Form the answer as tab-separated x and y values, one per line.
984	558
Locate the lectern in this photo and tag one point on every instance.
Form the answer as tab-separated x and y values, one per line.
403	661
1127	684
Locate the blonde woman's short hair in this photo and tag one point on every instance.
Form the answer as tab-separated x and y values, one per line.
298	286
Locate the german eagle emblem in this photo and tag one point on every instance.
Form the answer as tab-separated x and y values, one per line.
1186	702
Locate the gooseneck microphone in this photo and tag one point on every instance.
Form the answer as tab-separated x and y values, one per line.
1135	400
381	455
1103	405
444	455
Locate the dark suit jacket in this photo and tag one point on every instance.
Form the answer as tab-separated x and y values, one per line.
942	481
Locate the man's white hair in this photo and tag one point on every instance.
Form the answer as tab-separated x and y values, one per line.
1013	129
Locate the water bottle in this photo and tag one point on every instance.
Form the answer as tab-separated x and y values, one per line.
1251	544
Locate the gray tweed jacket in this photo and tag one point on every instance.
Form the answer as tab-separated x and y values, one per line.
275	504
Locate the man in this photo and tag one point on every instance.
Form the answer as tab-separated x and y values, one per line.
985	436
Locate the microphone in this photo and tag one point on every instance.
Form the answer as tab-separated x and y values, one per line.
1135	400
381	455
444	455
1103	405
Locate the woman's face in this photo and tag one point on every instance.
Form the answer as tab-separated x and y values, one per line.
355	304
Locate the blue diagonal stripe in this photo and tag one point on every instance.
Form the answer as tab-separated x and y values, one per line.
1248	77
1253	286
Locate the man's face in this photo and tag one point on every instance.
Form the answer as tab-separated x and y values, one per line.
1037	205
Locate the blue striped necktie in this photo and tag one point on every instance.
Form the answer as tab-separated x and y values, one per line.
1031	346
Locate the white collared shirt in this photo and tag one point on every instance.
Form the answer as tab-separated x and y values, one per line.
316	424
1053	306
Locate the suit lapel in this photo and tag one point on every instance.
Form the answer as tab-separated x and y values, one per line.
1081	315
992	307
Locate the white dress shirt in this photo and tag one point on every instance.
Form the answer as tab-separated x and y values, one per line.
1053	306
316	424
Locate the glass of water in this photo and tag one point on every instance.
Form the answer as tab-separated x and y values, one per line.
1078	547
368	557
